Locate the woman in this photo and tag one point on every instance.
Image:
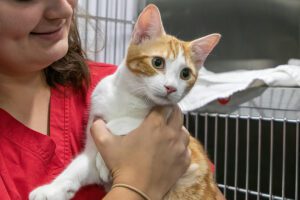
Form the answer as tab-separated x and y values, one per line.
45	85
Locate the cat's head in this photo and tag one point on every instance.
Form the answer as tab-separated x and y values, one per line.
166	67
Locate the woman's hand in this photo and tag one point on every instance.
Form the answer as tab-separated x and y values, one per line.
151	157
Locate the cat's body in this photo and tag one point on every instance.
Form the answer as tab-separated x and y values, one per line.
157	70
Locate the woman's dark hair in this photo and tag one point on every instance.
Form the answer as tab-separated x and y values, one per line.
72	69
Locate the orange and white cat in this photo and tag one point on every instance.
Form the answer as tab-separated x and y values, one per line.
157	70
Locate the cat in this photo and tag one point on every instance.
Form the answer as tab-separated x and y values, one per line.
158	69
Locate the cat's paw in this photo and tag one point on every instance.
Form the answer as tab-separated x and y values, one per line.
54	191
102	169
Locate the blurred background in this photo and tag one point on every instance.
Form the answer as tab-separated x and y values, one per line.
256	33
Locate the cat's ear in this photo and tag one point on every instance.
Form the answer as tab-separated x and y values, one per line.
148	25
201	48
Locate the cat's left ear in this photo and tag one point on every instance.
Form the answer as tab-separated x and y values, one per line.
201	48
148	25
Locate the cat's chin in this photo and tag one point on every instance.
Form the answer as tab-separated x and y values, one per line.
162	101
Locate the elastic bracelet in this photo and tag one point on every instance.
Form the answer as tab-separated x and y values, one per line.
142	194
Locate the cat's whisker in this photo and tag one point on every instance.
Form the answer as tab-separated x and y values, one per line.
138	91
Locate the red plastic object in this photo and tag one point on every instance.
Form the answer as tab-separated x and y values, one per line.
224	101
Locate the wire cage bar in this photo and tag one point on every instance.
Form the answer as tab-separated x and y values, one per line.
105	27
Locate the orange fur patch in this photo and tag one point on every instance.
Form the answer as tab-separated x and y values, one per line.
139	57
203	186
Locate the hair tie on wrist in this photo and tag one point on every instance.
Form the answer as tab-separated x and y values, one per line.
134	189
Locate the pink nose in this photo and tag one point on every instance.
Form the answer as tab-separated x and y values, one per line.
170	89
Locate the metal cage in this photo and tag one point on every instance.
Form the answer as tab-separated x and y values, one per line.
105	27
254	157
253	139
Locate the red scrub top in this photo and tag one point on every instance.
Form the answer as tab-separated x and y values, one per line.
29	159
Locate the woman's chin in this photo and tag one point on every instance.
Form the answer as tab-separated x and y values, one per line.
52	56
59	52
54	52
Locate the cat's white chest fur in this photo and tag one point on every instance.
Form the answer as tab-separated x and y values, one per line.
121	110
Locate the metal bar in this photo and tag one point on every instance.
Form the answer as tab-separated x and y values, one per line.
106	31
205	131
96	31
297	162
254	104
252	192
187	119
250	117
216	146
247	157
259	159
109	19
86	24
124	29
196	127
283	160
236	157
291	97
271	160
280	99
225	154
116	27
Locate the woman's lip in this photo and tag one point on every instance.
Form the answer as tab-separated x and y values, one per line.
50	35
46	32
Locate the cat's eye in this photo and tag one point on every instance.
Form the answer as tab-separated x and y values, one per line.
185	73
158	62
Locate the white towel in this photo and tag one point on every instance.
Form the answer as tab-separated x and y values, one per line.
211	86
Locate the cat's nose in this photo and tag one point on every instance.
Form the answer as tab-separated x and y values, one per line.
170	89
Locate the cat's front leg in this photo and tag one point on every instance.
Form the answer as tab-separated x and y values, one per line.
55	191
103	170
82	171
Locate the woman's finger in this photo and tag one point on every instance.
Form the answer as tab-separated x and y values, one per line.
186	136
156	115
176	118
101	134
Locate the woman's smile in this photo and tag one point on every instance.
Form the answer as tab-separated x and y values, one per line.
50	35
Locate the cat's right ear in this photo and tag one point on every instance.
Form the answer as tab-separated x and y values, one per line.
202	47
148	25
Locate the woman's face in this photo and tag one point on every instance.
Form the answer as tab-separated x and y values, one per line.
33	33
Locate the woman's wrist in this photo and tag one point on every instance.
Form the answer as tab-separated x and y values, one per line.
122	193
145	188
133	189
